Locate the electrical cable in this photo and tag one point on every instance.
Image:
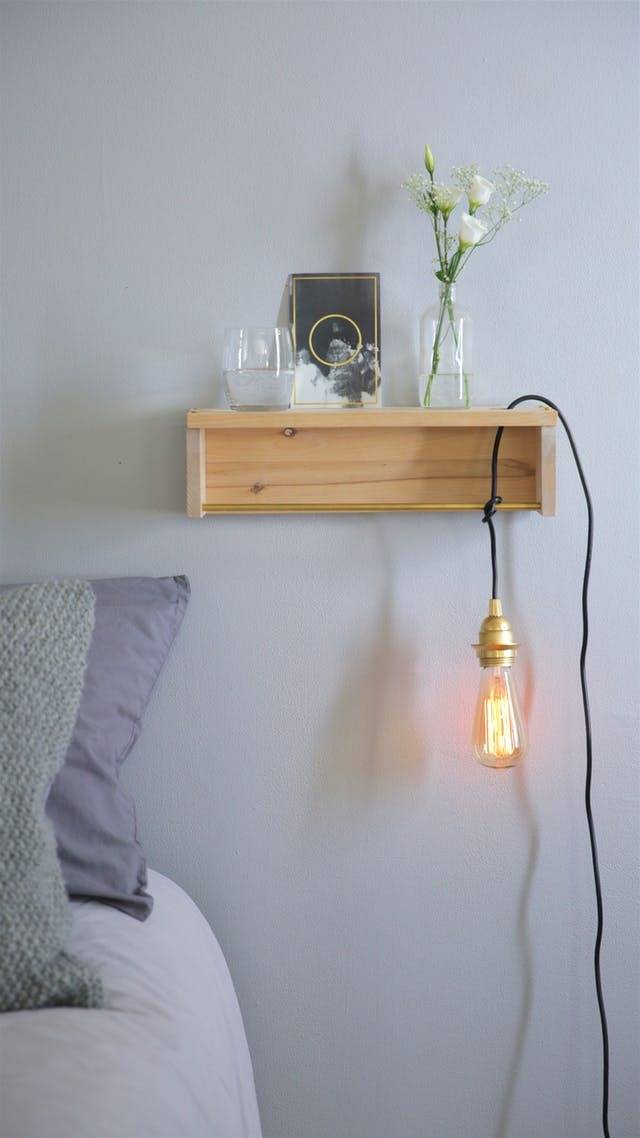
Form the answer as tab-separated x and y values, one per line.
488	514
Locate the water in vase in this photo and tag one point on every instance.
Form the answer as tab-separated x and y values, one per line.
447	389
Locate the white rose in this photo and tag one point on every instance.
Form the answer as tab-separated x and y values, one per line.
479	192
471	231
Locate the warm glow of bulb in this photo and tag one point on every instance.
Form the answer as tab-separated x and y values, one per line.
498	730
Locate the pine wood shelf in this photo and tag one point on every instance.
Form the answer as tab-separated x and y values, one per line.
356	460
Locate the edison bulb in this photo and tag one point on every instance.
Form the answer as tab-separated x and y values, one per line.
499	738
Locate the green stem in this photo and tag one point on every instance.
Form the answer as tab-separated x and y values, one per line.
436	230
435	352
452	322
446	306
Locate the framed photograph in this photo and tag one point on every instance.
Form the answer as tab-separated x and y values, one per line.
335	318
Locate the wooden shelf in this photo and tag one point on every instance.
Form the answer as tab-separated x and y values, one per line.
361	459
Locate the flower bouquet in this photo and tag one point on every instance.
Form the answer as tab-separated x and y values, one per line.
445	348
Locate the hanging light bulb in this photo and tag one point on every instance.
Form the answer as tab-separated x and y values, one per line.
499	738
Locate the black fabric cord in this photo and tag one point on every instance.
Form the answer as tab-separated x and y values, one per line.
489	511
488	514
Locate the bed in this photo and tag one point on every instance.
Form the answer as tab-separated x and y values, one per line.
166	1057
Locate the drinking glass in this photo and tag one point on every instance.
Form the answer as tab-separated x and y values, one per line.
258	368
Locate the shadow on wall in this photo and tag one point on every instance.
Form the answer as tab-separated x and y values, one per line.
356	212
111	442
352	214
375	739
359	205
523	941
526	687
375	735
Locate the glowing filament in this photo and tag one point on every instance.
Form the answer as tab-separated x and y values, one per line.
498	734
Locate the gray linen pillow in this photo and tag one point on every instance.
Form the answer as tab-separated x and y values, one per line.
136	621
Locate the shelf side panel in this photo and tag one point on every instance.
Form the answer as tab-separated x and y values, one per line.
196	472
546	468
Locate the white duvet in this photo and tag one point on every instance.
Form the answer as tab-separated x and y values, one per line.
166	1057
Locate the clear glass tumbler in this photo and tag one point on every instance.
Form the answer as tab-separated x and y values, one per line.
258	368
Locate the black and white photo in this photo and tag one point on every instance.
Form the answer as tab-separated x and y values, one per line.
335	319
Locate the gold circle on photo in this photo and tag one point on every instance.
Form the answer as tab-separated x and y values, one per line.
335	316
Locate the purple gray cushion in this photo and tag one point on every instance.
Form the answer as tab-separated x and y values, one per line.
136	620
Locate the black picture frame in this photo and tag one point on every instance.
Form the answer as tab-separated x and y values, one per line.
335	322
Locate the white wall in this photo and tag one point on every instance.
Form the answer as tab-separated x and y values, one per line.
410	935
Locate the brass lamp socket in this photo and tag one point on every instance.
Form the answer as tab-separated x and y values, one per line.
496	647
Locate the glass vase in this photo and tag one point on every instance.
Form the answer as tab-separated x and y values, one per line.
445	353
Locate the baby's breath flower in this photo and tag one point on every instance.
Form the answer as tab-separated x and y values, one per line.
513	190
464	175
518	187
431	196
418	187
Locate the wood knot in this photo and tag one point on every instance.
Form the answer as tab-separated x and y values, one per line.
289	432
257	487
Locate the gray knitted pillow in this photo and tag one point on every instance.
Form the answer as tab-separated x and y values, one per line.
45	631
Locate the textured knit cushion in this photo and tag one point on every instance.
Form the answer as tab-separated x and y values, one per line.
136	620
45	631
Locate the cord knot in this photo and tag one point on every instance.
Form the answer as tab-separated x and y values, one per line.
490	507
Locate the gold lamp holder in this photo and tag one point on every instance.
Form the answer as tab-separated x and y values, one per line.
496	647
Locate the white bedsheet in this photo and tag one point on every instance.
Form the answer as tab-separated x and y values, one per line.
165	1058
